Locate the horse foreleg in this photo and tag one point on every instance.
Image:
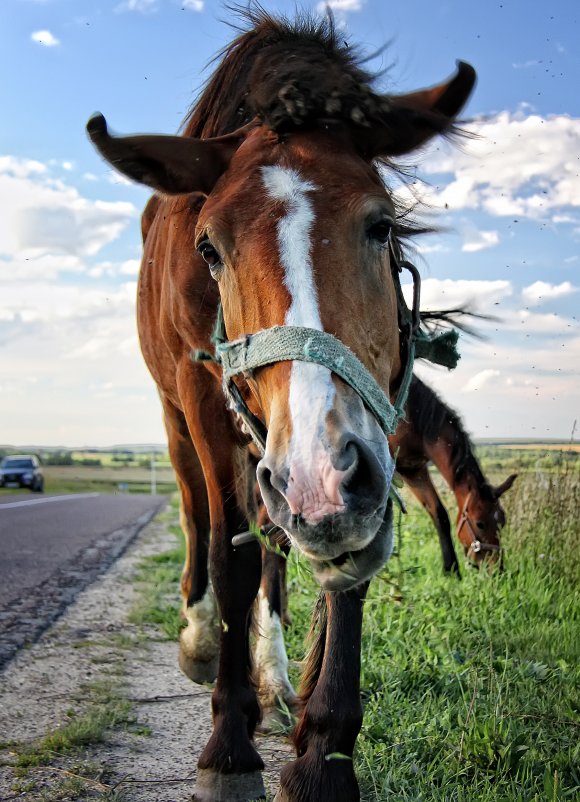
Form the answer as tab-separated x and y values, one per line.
199	641
423	489
276	694
229	768
332	717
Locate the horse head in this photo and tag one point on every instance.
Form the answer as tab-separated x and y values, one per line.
298	229
480	521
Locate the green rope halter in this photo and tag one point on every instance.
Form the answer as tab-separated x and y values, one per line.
289	343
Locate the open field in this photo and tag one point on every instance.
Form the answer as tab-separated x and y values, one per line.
545	447
103	479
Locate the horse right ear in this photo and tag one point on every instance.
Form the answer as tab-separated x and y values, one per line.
505	486
412	119
173	165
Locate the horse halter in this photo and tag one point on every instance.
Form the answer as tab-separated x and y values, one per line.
476	546
289	343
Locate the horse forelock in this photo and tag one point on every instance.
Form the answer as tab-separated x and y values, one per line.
286	73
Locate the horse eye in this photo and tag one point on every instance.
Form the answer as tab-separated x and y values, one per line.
480	525
380	231
209	254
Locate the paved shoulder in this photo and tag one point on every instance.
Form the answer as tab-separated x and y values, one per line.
53	546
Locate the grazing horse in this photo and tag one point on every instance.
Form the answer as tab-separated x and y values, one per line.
432	432
272	218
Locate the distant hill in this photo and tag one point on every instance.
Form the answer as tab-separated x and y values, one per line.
520	441
134	448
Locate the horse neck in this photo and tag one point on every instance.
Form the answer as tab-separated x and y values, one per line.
461	470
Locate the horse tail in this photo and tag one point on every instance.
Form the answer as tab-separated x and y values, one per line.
316	640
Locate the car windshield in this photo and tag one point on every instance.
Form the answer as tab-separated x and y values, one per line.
16	463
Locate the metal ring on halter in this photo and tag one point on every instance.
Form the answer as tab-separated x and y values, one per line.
415	309
476	546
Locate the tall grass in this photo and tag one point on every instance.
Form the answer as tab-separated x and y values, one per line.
471	688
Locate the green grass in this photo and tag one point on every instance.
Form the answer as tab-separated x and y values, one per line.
158	580
471	689
108	710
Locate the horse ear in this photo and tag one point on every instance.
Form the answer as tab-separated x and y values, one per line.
412	119
173	165
505	486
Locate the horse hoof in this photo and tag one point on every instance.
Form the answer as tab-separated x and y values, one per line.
198	671
211	786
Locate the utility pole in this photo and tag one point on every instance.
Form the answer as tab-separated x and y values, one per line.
153	477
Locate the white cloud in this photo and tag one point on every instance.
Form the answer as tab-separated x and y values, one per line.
21	168
448	293
340	6
518	165
80	345
43	267
479	240
192	5
541	291
42	216
51	304
142	6
480	380
537	323
437	247
45	38
130	267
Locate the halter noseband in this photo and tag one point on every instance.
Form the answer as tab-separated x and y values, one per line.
289	343
476	545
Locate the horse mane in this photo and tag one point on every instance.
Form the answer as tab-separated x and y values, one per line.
300	73
433	419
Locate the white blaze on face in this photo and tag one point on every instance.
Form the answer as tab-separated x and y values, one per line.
313	489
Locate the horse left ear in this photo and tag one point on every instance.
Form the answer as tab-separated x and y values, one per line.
505	486
174	165
412	119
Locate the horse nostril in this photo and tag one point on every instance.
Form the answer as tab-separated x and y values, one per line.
273	487
365	478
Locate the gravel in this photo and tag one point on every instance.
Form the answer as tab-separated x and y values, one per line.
93	642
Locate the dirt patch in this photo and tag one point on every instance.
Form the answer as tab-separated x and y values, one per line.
132	725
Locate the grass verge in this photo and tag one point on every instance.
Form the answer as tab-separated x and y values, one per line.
471	689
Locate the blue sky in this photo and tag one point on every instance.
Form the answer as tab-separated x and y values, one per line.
69	230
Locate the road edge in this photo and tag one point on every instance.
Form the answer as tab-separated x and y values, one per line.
23	621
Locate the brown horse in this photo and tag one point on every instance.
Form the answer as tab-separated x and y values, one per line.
271	203
432	432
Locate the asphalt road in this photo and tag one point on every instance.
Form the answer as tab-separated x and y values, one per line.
53	546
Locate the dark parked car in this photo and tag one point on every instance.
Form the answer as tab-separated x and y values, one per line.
22	470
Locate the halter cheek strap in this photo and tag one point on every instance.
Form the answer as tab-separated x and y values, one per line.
290	343
476	545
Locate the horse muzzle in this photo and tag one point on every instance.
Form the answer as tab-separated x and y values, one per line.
335	506
352	568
